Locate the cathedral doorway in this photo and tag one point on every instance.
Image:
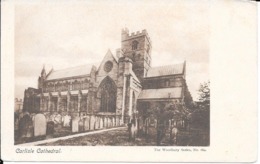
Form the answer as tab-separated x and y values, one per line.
107	92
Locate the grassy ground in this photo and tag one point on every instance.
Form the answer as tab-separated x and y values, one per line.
120	138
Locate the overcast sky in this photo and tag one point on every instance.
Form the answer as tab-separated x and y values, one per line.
66	35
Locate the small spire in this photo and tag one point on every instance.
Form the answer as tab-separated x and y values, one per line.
43	70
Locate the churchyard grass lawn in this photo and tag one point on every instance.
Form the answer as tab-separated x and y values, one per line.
120	137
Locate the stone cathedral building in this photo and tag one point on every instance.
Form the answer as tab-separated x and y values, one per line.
119	86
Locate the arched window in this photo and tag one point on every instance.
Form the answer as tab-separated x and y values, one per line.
134	45
107	93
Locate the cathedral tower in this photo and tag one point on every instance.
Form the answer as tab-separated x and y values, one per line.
137	47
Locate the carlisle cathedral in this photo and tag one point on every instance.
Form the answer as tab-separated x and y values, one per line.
122	84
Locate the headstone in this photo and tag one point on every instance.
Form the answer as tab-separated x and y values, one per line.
58	119
101	123
121	122
108	122
52	117
50	128
133	131
113	122
40	125
25	123
170	124
81	125
97	122
117	121
174	134
67	120
86	123
92	122
105	122
75	124
33	117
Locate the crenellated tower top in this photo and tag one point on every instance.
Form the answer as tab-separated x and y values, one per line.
125	35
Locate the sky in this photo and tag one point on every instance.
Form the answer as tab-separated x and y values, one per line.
63	35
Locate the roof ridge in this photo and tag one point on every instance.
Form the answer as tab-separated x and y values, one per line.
167	65
73	67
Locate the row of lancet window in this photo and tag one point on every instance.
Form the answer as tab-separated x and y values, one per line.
164	83
76	85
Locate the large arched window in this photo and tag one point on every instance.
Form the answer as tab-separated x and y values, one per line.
107	92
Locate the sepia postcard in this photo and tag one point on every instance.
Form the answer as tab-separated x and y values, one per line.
129	81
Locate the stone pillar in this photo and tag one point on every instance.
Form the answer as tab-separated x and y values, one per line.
123	101
68	102
79	101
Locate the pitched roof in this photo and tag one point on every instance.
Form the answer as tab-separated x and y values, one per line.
70	72
166	70
162	93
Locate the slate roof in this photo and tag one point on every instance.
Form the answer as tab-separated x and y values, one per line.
70	72
162	93
166	70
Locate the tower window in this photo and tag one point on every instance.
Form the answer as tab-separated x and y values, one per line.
134	45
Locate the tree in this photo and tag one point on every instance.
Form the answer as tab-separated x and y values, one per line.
204	96
201	116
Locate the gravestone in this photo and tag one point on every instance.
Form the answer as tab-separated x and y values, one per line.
58	119
117	121
50	128
33	117
52	117
86	123
66	122
101	123
97	122
92	122
108	122
121	122
25	126
133	129
170	124
75	124
105	122
40	124
113	122
81	125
